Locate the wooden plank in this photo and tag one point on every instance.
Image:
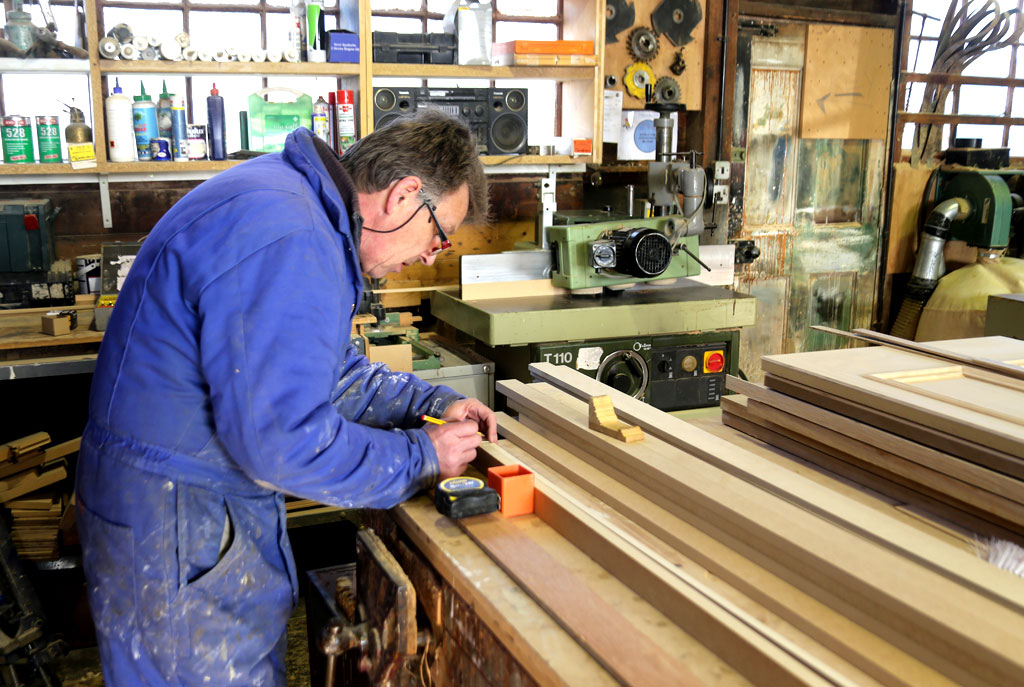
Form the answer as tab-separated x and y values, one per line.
735	415
913	607
19	447
841	510
28	482
952	444
478	291
803	620
43	503
878	442
847	71
610	638
842	373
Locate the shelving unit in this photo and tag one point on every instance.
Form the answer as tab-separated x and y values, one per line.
582	90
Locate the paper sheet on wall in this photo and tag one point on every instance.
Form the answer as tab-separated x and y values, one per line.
638	136
612	116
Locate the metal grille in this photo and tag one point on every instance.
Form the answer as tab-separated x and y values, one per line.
653	254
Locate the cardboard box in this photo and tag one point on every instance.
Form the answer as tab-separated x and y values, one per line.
562	47
342	46
56	324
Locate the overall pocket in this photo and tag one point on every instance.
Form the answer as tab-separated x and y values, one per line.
108	558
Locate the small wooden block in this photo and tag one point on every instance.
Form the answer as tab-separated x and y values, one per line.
604	420
56	325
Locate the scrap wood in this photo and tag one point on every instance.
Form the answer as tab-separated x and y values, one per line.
963	634
12	450
27	482
869	443
47	502
914	431
581	502
856	517
603	419
735	415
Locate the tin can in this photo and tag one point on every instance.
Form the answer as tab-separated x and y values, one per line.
161	149
48	137
17	139
196	141
179	129
346	122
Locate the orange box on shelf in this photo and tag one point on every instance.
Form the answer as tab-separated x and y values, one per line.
514	485
544	48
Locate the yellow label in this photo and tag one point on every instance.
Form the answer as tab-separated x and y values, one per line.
79	152
106	301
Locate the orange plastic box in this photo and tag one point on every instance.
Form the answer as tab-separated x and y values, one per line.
514	485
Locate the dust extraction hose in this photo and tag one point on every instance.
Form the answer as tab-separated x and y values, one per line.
930	266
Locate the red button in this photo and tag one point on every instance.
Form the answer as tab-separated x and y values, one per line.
31	223
714	361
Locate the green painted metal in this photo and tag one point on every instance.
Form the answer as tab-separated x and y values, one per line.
988	224
534	319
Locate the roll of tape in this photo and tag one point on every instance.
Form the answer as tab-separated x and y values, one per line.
221	56
155	41
274	56
182	39
109	48
190	54
205	55
128	51
149	54
122	33
170	50
244	56
140	43
232	53
259	55
291	55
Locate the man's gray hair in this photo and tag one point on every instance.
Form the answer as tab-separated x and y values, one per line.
434	146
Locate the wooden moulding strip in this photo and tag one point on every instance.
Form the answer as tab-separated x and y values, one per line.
606	634
735	415
996	366
875	445
944	624
968	450
857	517
816	633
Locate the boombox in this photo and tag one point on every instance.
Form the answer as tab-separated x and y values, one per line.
497	116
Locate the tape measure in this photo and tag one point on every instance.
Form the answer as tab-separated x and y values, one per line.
461	497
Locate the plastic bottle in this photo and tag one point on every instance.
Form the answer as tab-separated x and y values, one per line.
215	124
179	129
163	114
144	120
120	126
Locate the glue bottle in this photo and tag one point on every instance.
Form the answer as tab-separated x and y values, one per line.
163	113
215	124
120	128
144	119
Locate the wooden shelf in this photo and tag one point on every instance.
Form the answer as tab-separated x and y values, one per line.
289	68
11	65
432	71
512	160
155	167
8	169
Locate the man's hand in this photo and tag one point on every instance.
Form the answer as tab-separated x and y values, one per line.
472	409
455	444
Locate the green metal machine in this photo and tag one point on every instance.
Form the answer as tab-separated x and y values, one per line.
987	220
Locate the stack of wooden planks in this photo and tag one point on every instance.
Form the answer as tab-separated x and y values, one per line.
942	436
28	465
782	578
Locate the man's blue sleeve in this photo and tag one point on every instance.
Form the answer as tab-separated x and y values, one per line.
270	341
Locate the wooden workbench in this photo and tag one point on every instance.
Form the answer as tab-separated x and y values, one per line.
21	335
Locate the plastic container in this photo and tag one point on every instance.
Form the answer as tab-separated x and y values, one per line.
215	124
179	129
271	122
120	126
144	122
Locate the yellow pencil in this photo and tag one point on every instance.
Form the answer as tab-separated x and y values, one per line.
435	421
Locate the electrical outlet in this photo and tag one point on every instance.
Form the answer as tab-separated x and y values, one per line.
722	170
721	194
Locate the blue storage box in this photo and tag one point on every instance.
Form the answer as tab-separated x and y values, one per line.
342	46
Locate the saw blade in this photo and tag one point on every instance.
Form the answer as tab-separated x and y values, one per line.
638	76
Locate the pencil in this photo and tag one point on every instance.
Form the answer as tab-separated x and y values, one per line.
435	421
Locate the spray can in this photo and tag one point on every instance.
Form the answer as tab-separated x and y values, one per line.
215	124
48	138
120	126
17	139
144	120
346	124
332	113
321	120
296	20
179	129
163	113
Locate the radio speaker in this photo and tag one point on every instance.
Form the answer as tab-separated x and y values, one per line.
506	122
391	103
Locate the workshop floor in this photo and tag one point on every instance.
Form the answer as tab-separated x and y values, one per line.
81	667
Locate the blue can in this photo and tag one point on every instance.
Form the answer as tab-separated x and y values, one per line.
160	149
179	129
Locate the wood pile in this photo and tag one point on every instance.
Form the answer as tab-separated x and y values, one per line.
939	433
27	466
780	577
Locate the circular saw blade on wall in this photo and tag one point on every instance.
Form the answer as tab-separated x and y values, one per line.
618	56
619	16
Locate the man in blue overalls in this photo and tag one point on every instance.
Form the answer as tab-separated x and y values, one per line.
226	379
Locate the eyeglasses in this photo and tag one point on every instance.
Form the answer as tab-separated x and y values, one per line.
445	242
